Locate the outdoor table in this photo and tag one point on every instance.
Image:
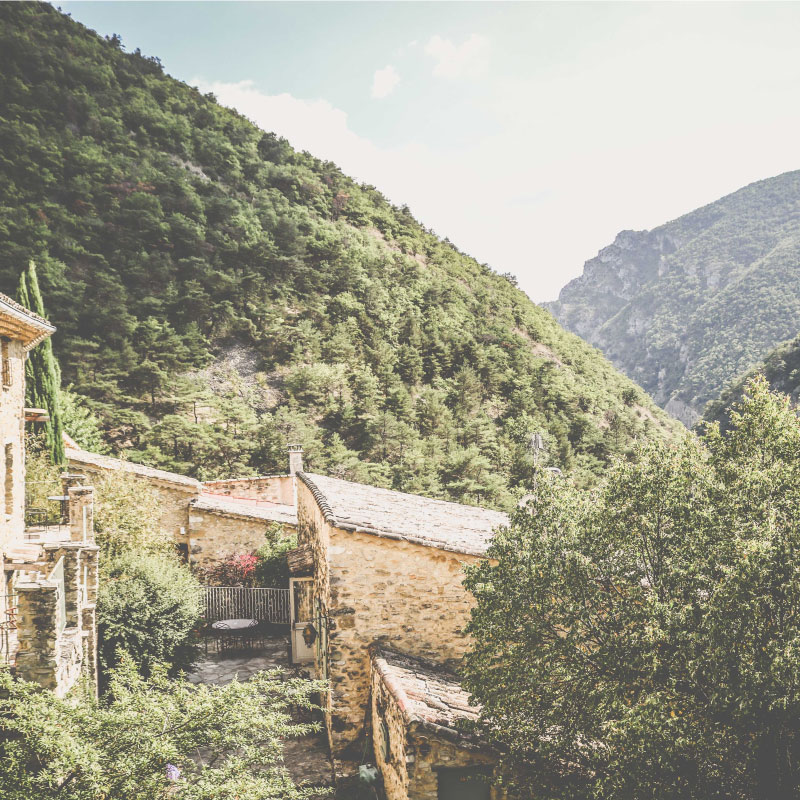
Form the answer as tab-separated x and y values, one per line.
233	632
234	624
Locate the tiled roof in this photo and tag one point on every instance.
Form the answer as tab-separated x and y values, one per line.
6	300
110	463
410	517
245	507
38	326
424	692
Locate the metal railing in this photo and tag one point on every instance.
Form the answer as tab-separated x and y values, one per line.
44	505
237	602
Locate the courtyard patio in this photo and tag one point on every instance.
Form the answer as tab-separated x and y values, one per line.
306	758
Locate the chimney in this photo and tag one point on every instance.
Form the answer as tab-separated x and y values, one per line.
295	458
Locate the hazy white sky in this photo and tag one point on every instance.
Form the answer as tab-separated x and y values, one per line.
527	133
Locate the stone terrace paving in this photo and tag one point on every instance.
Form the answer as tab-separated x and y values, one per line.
306	758
409	517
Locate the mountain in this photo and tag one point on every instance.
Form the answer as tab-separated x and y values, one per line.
686	307
218	294
781	368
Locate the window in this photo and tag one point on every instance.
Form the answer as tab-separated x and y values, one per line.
466	783
6	362
385	742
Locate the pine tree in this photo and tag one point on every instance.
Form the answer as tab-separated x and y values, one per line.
42	373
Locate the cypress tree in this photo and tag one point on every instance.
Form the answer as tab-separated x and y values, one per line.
42	373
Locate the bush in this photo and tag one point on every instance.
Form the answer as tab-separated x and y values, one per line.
265	566
127	516
141	743
148	606
235	570
271	569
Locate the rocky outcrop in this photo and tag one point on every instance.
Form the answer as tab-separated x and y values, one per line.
686	307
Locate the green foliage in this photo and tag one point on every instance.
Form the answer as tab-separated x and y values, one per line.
127	516
272	568
42	374
80	423
147	607
781	368
690	305
643	639
219	294
266	566
226	741
42	477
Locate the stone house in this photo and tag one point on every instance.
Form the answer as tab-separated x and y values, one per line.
210	520
384	569
421	748
48	632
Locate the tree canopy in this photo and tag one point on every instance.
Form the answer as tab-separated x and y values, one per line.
42	373
643	639
151	739
219	294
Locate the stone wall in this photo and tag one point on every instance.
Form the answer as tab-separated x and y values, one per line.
273	488
406	596
49	653
394	765
173	496
416	752
12	449
215	535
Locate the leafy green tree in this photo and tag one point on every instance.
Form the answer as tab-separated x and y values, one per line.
127	517
151	739
43	376
81	423
219	294
272	568
147	607
643	639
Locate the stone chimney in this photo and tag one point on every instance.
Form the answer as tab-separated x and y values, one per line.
295	458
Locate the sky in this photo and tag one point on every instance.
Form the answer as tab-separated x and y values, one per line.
527	133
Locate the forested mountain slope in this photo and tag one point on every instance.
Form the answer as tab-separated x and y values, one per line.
686	307
218	293
781	368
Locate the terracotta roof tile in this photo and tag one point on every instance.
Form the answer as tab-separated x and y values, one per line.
424	692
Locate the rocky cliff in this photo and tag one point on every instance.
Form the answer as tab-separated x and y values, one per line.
684	308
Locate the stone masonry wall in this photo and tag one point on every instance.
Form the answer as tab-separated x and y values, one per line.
394	768
12	433
415	752
405	596
429	752
213	535
173	499
274	488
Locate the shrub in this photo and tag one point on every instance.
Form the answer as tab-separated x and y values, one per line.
271	566
127	516
265	566
148	606
235	570
141	743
